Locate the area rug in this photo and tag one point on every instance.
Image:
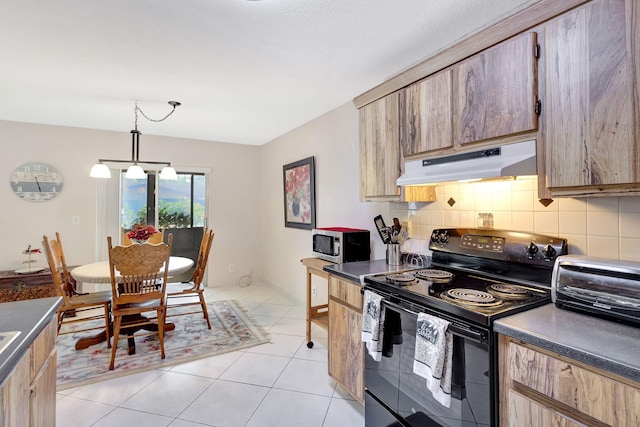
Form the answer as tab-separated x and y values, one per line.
231	329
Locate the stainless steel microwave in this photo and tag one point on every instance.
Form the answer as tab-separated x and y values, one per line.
341	244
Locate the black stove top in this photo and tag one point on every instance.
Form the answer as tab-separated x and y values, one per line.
478	275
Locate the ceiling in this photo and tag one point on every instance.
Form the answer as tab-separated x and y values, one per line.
245	71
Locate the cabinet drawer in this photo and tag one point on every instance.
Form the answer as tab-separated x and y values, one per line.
345	292
528	412
586	391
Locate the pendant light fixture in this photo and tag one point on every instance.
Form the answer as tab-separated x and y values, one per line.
135	171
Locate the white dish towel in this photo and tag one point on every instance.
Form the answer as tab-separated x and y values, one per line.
433	356
373	324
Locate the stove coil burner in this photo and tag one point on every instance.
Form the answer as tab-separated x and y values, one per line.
506	290
437	276
471	297
401	278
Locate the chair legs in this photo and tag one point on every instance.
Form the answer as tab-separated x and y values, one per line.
117	325
161	319
117	321
204	309
107	315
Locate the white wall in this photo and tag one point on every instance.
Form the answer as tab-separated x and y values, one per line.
233	184
247	203
333	141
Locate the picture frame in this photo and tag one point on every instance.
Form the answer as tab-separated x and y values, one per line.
298	180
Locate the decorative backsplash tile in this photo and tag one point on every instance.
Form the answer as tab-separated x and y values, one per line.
607	227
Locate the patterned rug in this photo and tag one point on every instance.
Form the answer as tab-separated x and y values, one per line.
231	329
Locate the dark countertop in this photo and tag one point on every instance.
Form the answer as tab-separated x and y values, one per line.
605	344
356	271
29	317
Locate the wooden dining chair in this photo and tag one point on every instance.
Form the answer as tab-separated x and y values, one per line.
181	294
154	239
69	282
136	291
71	300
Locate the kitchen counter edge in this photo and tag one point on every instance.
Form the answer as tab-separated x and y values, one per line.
29	317
604	344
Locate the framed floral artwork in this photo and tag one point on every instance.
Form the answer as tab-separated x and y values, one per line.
299	194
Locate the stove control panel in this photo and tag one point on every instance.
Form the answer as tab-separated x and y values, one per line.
482	243
504	245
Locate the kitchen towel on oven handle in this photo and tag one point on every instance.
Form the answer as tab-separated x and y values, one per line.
433	357
373	313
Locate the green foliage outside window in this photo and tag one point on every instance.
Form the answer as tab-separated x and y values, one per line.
174	214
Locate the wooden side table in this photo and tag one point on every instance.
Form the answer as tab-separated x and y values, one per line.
9	279
318	314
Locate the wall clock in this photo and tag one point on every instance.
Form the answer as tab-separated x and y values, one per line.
36	181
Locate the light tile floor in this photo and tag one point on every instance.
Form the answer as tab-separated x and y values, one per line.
282	383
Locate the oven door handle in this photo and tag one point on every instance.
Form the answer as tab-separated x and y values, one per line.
463	331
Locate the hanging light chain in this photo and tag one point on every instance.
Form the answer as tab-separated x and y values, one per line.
174	104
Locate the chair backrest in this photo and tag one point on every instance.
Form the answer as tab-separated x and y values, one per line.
70	282
143	270
155	239
158	237
203	256
51	250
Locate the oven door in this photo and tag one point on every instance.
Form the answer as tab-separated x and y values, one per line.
391	384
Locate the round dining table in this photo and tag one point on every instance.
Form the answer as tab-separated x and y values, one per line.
99	272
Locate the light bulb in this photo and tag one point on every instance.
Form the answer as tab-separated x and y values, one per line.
168	173
135	172
100	170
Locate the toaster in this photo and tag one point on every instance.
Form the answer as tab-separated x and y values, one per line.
597	286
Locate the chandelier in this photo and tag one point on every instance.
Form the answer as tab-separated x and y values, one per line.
135	171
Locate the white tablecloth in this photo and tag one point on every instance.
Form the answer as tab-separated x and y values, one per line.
98	272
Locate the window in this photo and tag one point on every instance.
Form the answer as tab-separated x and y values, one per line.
180	203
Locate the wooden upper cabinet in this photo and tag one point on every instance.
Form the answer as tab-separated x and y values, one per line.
380	149
591	103
495	91
425	115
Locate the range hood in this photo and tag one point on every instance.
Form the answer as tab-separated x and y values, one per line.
507	160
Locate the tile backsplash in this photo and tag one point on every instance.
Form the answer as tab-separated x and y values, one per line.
607	227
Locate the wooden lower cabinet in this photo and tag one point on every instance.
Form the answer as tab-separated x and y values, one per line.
346	354
28	396
539	388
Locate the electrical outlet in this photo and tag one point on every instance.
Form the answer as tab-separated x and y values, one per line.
232	268
314	291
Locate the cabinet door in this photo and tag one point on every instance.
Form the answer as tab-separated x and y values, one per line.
346	351
14	395
425	115
42	402
379	149
496	91
346	363
591	96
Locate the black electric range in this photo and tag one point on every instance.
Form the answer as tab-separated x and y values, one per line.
479	274
475	277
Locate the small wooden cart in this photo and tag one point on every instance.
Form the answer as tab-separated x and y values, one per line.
318	314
